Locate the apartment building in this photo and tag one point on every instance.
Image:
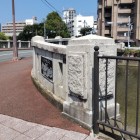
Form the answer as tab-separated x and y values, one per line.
82	22
78	22
8	27
75	22
120	19
68	15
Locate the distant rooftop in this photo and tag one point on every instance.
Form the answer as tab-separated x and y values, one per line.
91	36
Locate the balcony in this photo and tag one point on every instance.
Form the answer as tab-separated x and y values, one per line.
123	20
108	3
121	38
126	1
122	29
124	10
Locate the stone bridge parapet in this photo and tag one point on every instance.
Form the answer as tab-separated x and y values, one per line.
66	73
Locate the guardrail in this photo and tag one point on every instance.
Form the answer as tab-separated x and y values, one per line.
106	121
7	44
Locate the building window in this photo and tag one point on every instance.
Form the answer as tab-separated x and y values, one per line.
124	25
121	34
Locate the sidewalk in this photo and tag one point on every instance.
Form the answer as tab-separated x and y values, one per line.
17	129
10	49
26	114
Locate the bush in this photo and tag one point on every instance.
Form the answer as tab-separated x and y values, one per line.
130	52
3	36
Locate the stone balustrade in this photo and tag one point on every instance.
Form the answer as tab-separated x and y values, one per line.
7	44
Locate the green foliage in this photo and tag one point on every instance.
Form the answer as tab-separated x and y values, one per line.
3	36
86	30
126	52
137	53
129	52
55	26
31	30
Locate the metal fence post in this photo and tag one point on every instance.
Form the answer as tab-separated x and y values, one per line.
95	95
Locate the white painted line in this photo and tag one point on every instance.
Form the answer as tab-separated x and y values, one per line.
12	53
6	54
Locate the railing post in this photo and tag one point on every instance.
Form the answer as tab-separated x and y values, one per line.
29	44
8	41
95	95
19	45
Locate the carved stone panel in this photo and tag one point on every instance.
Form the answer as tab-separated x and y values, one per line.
76	74
47	68
110	75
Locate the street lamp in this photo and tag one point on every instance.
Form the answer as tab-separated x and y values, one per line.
15	50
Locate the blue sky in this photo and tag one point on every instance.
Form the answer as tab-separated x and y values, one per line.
26	9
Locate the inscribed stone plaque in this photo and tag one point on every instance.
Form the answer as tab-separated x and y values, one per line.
76	75
47	68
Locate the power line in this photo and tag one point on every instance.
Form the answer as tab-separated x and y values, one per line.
51	6
47	4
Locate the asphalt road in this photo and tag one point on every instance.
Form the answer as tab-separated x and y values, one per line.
7	55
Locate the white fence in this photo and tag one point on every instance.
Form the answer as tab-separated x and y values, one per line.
9	44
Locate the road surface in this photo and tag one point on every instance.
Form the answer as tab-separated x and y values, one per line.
7	55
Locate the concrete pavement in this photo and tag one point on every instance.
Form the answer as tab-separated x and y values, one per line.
7	55
25	114
16	129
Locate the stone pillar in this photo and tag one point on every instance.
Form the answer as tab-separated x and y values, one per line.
78	104
29	44
8	41
60	42
19	43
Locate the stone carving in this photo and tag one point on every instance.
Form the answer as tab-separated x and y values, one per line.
47	68
76	75
110	76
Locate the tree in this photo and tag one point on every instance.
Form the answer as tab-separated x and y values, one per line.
31	30
3	36
55	26
86	30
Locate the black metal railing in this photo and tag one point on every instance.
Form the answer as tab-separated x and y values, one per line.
97	120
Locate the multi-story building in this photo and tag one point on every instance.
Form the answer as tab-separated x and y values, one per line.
68	15
78	22
31	21
8	28
120	19
95	26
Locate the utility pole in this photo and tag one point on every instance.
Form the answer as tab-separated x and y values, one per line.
44	30
15	50
129	29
